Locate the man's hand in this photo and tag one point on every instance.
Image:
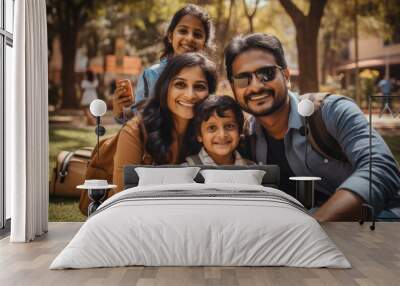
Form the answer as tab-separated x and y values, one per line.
123	97
343	205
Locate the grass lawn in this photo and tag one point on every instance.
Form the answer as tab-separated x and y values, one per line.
65	209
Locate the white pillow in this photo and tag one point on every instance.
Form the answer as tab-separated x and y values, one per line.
164	176
249	177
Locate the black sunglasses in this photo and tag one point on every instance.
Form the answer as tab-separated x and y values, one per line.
263	74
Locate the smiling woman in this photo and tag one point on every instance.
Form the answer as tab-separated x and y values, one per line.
161	133
185	90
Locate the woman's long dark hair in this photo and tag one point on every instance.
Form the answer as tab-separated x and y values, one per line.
194	11
157	118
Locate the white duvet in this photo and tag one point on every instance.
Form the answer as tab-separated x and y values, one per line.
268	228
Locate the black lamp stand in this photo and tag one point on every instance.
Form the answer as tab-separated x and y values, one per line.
369	207
96	196
100	131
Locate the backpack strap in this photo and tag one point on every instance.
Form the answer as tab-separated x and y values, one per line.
319	137
146	85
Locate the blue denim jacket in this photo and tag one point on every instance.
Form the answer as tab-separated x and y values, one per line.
344	121
152	74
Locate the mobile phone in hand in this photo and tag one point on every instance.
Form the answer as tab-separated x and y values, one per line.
128	86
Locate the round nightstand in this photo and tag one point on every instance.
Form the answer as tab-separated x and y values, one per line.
305	190
97	192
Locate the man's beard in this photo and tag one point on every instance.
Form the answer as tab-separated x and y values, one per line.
277	105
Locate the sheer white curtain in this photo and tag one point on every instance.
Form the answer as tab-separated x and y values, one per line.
27	124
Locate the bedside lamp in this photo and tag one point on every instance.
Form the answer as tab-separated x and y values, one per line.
306	109
305	185
97	189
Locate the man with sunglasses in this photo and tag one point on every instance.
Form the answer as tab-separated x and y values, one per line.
259	77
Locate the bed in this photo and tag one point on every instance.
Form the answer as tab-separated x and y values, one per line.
201	224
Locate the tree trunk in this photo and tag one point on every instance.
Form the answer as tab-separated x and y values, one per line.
68	51
219	30
307	57
326	41
250	16
307	28
224	35
251	25
219	18
357	94
92	46
332	58
67	18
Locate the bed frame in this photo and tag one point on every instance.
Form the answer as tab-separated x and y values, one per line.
270	179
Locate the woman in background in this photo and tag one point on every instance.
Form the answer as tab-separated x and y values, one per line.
89	93
190	30
160	133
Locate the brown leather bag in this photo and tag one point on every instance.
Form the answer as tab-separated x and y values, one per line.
69	172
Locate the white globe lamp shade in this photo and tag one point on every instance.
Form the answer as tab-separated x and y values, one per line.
305	107
98	107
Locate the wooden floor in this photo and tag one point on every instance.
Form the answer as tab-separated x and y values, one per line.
374	255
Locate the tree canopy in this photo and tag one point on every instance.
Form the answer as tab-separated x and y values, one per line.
301	25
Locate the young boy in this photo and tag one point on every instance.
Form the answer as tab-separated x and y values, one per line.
218	123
